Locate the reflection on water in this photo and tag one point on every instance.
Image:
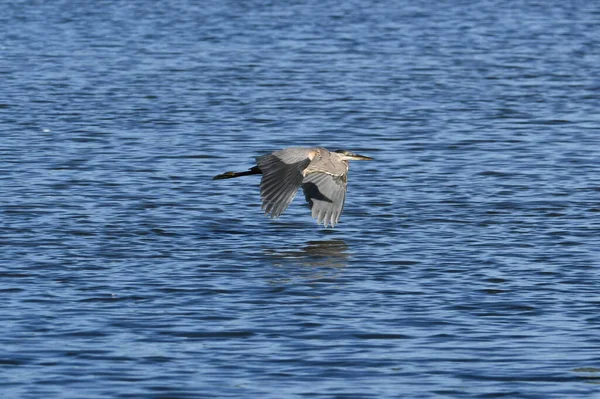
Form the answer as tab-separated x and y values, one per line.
323	253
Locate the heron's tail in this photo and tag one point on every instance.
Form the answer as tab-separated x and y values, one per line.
229	175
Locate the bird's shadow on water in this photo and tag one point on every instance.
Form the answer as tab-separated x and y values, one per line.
333	253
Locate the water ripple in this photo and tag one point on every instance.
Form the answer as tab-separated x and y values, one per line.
465	263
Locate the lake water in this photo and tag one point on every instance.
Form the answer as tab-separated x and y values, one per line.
466	263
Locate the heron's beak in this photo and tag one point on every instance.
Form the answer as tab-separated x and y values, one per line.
358	157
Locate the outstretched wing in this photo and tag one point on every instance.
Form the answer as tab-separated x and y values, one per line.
325	195
282	177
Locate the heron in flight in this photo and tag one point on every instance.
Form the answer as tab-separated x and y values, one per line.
322	174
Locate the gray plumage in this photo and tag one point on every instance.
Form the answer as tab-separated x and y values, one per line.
322	174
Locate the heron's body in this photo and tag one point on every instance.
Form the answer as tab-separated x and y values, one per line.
322	174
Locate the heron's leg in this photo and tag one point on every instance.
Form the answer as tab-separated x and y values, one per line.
229	175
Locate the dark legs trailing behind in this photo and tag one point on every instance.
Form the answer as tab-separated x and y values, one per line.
229	175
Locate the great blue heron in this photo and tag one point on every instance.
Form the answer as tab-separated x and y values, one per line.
322	174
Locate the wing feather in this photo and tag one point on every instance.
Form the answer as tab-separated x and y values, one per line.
282	176
325	195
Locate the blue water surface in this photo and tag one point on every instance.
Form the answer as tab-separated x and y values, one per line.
465	264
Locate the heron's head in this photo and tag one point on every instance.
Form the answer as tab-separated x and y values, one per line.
350	156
